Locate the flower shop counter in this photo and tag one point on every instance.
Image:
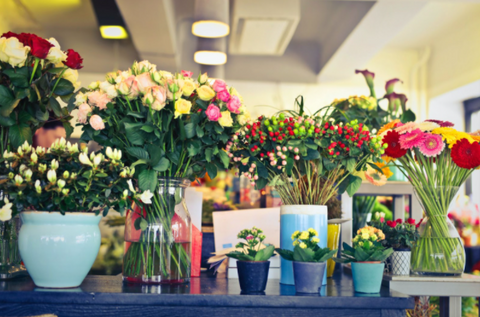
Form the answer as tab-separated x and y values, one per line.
204	296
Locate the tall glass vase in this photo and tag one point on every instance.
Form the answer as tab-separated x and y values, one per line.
439	251
158	238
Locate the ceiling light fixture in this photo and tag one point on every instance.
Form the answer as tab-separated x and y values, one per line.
113	32
211	19
210	57
110	20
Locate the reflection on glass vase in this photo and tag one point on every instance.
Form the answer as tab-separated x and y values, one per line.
439	251
158	238
10	261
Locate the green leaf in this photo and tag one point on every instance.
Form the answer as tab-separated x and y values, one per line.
18	134
208	154
200	131
6	121
408	116
68	128
351	164
303	255
147	180
211	170
41	116
162	165
289	167
18	78
190	130
324	256
329	165
140	224
6	96
147	128
261	170
55	106
375	167
7	109
285	254
135	114
354	185
218	128
361	255
64	87
138	152
224	157
265	254
134	134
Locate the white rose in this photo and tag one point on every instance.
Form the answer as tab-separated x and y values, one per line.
13	52
56	55
245	116
146	197
121	76
94	85
109	89
72	76
143	67
80	98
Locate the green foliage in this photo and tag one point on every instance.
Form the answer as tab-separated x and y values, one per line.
251	249
374	252
398	235
307	255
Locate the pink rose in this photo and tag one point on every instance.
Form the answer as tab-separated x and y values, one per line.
144	81
96	122
186	73
213	112
219	85
234	104
156	97
98	99
223	95
83	110
129	87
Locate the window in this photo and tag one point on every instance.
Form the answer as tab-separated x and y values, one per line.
472	123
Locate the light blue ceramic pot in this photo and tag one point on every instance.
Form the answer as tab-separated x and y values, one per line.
301	218
367	277
59	250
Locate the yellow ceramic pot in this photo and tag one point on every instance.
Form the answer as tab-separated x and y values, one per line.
333	242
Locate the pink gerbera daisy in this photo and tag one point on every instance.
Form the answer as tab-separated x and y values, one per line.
412	139
432	145
407	127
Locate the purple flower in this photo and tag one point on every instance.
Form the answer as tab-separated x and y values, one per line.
369	76
390	84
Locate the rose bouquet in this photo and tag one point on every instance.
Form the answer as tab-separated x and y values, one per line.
306	158
366	109
171	127
63	178
437	159
33	73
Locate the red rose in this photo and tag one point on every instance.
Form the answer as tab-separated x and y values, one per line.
9	35
418	224
40	47
411	221
74	60
391	224
24	38
466	155
398	221
394	150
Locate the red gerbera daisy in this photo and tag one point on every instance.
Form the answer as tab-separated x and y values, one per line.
392	138
466	155
443	124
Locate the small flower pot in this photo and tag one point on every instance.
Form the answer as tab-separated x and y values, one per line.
308	276
367	276
253	276
401	261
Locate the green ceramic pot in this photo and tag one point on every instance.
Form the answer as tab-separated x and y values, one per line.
367	277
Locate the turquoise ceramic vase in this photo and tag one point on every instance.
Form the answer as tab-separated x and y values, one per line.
59	250
367	276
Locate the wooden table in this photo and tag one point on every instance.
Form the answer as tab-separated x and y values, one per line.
204	296
449	289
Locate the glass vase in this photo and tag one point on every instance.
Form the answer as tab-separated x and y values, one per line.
158	238
10	260
439	250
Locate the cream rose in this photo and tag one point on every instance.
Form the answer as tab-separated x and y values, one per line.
109	89
13	52
245	116
96	122
155	97
205	93
188	87
80	98
83	110
56	55
226	119
129	87
72	76
144	82
182	106
142	67
98	99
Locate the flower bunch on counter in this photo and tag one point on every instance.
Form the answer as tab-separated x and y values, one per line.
33	72
306	158
252	249
66	179
306	248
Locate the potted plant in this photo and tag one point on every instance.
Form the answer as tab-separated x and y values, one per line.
34	73
173	128
308	259
401	236
308	160
253	260
437	159
367	257
60	193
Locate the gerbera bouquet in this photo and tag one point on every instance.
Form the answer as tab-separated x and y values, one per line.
306	158
170	127
34	72
437	159
367	110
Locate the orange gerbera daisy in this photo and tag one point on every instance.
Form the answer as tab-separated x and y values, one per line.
388	126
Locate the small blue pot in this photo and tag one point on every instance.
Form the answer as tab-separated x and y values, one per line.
59	250
308	276
367	277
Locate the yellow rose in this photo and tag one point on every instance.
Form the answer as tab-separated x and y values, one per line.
13	52
182	106
245	116
72	76
226	119
205	93
304	235
303	245
189	87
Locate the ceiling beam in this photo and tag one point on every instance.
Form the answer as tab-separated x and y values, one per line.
375	30
153	31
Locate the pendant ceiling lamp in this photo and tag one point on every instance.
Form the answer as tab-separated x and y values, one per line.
211	52
211	19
